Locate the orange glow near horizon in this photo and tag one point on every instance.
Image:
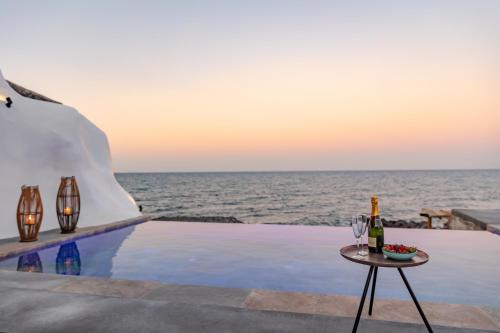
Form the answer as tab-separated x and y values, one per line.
312	110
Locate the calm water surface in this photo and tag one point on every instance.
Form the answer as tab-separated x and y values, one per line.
311	197
293	258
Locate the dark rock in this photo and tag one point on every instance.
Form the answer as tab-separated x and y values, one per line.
232	219
30	93
210	219
403	224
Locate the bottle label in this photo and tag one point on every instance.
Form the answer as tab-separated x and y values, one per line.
372	242
380	243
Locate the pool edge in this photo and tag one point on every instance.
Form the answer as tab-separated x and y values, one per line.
12	247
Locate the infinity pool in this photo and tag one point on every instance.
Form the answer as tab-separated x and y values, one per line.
463	268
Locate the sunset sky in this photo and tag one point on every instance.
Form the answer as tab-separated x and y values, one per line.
269	85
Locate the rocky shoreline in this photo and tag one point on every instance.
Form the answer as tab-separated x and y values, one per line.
208	219
387	223
404	224
231	219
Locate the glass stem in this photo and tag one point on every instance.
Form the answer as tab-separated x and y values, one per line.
357	244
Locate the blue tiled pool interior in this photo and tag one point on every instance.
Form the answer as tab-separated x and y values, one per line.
463	268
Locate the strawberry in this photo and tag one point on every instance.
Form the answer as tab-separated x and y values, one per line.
399	248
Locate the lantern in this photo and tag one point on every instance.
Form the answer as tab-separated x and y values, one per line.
29	213
30	263
68	260
68	204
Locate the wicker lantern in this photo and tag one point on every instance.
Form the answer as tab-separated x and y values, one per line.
68	260
68	204
29	213
30	263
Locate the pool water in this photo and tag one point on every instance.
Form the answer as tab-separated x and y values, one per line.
463	268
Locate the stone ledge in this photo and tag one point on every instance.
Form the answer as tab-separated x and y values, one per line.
484	219
11	247
494	228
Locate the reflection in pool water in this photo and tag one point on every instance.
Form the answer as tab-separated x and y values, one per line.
91	256
30	263
68	260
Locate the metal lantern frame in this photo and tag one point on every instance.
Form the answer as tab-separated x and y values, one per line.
68	204
29	213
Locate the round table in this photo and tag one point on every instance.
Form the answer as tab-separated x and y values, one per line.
376	260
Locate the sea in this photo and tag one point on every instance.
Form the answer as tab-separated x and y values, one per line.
311	197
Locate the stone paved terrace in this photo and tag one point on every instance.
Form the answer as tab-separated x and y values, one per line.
41	302
488	219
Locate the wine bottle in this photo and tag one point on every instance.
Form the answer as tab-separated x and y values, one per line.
376	229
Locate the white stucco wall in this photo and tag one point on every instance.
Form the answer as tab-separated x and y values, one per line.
42	141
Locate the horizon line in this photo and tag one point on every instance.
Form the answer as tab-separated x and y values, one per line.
325	170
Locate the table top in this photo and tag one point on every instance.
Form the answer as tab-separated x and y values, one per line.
377	259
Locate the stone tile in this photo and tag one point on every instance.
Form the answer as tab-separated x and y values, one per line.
453	315
334	305
494	313
42	311
108	287
199	295
24	280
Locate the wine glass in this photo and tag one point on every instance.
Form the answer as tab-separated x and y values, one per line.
362	222
357	233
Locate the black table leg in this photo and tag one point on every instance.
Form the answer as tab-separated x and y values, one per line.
415	300
365	291
374	282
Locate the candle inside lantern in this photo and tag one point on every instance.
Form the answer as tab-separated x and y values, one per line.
68	211
30	220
